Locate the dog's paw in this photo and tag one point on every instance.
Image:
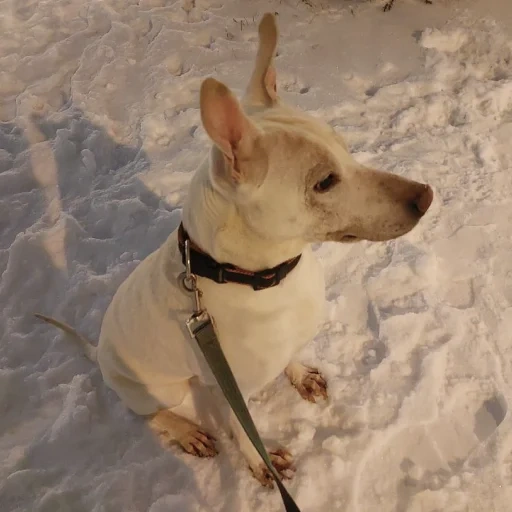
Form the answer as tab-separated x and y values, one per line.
308	381
171	428
388	5
282	460
199	443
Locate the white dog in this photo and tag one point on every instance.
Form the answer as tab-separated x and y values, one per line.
276	181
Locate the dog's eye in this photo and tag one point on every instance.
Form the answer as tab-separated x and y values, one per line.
327	183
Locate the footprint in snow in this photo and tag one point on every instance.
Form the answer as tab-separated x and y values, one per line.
419	460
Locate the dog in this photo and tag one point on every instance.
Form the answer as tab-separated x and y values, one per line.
276	181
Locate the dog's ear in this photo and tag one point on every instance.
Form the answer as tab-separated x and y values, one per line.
227	125
262	89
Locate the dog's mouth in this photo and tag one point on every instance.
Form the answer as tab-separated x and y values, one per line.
337	236
382	236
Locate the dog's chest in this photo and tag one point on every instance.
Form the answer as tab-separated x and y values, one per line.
261	331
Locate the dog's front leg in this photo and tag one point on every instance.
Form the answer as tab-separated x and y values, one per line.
281	459
308	381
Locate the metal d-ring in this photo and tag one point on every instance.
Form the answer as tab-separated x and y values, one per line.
187	283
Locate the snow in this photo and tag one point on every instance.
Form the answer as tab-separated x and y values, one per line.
99	135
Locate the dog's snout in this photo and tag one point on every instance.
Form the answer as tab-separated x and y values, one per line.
422	201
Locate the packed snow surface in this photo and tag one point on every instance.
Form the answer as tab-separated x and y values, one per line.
99	136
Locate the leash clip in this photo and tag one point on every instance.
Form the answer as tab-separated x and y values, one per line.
197	322
188	283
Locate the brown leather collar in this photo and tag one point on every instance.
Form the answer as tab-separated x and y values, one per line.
205	266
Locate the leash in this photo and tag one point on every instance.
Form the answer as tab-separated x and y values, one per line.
200	327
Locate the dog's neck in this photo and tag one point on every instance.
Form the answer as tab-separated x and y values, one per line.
214	225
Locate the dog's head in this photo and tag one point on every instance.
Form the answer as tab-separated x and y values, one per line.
290	175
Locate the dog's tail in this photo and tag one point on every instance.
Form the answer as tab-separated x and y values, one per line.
88	348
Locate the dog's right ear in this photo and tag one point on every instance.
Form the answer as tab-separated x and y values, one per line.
262	89
227	126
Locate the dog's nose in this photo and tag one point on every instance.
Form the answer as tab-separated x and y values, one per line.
421	203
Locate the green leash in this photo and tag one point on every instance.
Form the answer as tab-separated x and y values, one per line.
201	329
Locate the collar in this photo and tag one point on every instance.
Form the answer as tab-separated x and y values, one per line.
205	266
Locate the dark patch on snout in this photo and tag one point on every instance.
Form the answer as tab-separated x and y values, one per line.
421	202
415	197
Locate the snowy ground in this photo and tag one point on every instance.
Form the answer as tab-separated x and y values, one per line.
99	135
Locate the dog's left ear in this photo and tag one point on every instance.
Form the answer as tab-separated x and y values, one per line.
262	89
228	127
